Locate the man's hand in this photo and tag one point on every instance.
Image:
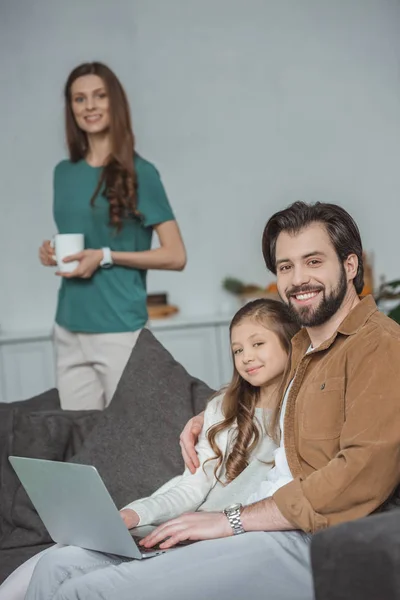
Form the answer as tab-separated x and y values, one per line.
190	526
89	262
188	439
129	517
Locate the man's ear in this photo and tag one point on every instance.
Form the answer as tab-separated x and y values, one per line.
351	266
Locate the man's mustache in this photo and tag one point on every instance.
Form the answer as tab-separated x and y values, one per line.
303	289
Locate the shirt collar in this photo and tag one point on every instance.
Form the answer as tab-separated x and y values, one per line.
358	316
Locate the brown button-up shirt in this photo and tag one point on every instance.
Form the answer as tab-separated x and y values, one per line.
342	422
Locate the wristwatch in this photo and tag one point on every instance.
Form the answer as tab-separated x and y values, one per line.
233	515
107	261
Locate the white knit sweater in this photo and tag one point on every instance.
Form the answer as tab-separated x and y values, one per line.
188	492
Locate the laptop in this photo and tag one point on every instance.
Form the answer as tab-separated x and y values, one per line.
77	509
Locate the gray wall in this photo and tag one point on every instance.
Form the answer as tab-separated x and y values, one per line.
243	105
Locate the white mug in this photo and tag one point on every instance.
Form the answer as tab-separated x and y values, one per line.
66	244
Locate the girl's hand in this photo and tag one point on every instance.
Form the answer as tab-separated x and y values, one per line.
129	517
46	254
89	262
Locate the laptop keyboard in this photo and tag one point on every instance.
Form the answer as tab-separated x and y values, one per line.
156	547
138	538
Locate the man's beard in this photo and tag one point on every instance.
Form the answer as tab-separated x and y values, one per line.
307	316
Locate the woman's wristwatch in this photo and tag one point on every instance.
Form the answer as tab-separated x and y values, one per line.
233	515
107	261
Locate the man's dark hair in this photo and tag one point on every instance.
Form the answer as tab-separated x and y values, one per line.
341	228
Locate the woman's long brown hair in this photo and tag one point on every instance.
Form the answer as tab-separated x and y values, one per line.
240	397
118	176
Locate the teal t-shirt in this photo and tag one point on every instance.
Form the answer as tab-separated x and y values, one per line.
114	299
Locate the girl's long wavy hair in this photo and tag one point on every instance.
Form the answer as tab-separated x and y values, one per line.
240	397
118	178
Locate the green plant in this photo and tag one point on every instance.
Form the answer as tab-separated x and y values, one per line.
232	285
235	286
390	290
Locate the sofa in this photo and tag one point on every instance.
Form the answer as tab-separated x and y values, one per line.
359	560
133	443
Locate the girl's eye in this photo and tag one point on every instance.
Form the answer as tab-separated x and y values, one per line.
79	99
235	352
102	95
258	344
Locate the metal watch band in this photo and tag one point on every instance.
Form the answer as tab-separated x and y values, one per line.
234	520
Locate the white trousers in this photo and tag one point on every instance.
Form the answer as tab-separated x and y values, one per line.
16	584
257	565
89	366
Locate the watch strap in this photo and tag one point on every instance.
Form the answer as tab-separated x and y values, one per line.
233	516
107	260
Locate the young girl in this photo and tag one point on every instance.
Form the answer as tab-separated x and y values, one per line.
235	451
234	433
114	197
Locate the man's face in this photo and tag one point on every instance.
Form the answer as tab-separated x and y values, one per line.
310	277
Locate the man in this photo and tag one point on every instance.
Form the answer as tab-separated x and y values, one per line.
342	439
338	428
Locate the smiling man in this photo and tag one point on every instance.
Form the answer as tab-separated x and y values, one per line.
339	441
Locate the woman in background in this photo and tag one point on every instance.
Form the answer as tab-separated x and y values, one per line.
116	199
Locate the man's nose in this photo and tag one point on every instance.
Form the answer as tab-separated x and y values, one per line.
300	276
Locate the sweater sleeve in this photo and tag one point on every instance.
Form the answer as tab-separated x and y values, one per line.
187	491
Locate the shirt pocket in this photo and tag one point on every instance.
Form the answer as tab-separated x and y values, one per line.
322	409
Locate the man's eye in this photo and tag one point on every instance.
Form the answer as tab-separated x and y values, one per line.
284	268
314	262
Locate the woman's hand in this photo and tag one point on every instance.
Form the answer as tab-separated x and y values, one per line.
190	526
89	262
188	439
46	254
129	517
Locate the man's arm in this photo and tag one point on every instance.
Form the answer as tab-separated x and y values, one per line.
261	516
264	516
188	440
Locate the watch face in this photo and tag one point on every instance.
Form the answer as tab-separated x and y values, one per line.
233	507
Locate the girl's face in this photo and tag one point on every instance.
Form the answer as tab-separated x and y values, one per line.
258	354
90	104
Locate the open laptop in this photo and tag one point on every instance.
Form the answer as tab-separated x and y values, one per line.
77	509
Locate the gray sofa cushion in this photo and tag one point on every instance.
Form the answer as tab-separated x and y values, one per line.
359	559
48	400
51	435
135	442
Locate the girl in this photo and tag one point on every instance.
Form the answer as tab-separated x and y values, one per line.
116	199
235	451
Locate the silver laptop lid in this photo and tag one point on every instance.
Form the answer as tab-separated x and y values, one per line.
75	505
